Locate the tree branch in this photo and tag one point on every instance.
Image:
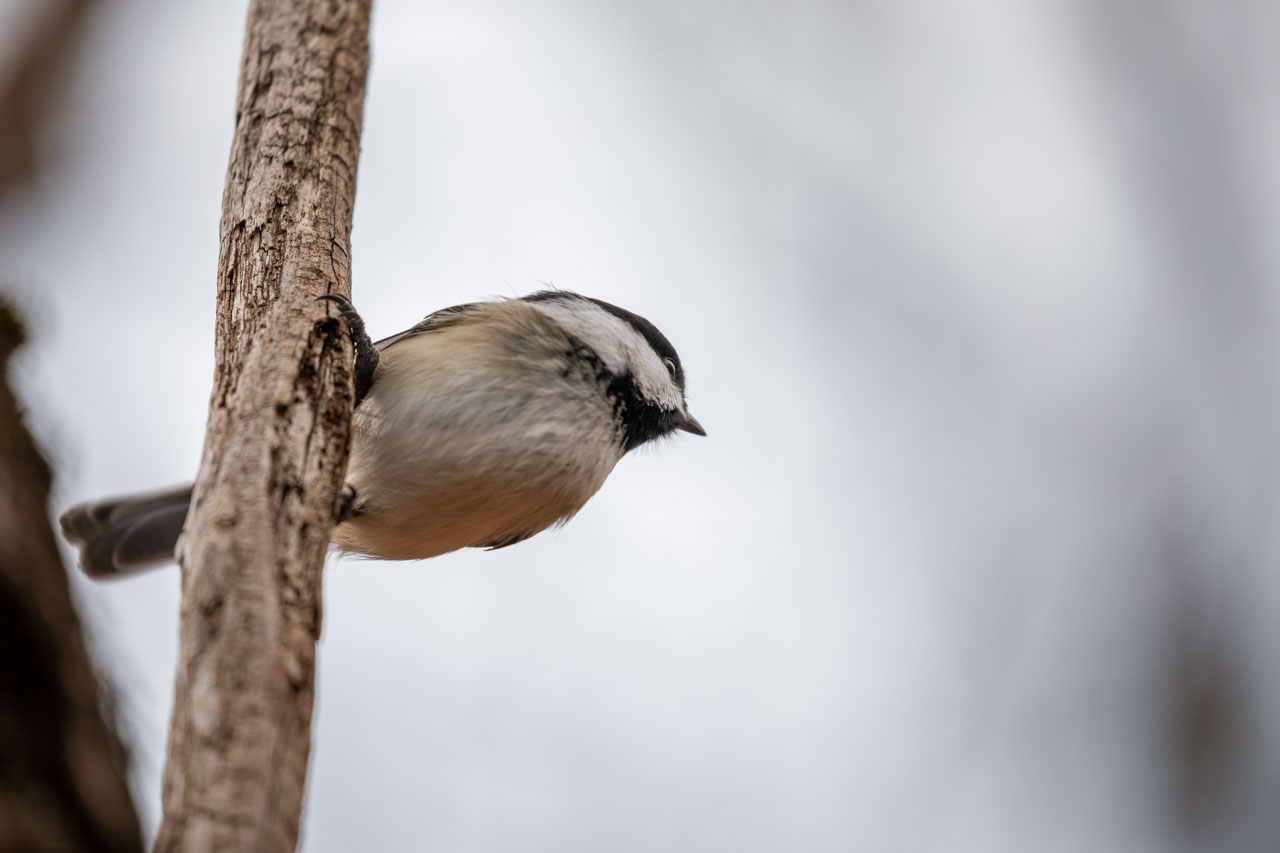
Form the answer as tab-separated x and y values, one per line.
275	451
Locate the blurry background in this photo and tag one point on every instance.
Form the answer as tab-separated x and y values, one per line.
979	306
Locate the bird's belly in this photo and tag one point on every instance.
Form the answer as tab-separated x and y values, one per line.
431	509
457	513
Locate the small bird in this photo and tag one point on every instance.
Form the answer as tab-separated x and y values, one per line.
480	426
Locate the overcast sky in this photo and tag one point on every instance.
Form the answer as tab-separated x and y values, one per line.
977	303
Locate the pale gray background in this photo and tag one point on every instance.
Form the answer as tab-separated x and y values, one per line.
977	302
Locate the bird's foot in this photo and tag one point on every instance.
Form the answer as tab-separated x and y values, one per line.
366	352
347	503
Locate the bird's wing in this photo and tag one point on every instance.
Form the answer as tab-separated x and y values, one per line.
431	323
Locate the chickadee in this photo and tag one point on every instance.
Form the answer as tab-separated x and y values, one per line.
479	427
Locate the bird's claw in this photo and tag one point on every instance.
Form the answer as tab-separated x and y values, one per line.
345	308
366	352
347	503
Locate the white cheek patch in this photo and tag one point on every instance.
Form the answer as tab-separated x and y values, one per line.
620	347
652	376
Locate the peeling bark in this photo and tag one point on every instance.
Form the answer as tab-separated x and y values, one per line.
275	451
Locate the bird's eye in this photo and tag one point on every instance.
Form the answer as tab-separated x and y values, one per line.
671	365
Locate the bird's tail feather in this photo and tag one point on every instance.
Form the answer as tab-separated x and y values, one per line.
119	536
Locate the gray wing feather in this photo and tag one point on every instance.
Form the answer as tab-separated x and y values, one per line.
432	322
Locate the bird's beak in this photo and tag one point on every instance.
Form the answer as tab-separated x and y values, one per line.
689	423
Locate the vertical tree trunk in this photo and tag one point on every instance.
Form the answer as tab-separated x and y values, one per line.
276	447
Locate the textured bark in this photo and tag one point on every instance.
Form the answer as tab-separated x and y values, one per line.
276	447
62	784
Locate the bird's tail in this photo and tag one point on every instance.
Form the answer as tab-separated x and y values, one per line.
119	536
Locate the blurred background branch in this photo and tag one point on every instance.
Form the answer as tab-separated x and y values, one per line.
32	81
62	767
62	784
